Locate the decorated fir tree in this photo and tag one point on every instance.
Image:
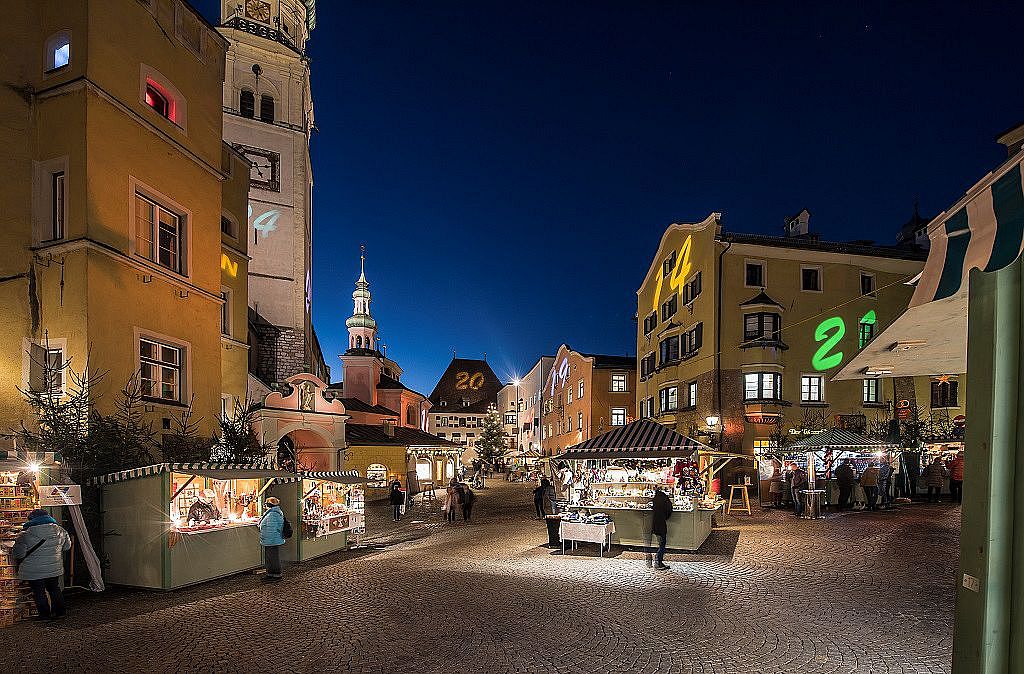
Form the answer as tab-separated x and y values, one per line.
491	445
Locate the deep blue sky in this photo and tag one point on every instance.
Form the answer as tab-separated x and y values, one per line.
511	166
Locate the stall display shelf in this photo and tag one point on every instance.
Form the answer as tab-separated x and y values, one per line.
15	596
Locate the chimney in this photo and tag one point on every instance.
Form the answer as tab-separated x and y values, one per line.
389	427
799	224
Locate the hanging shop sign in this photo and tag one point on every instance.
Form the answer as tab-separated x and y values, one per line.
960	421
53	495
903	410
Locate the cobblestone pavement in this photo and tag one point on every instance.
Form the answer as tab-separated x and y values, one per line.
859	592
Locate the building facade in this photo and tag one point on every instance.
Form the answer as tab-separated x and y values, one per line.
268	117
585	395
748	331
460	400
520	405
113	259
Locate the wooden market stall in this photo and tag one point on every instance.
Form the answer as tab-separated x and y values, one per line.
326	508
821	453
175	524
617	472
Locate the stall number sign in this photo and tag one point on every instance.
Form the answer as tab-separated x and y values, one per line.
60	495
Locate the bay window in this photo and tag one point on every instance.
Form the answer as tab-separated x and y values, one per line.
762	386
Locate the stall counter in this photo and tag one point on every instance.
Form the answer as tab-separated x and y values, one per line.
687	529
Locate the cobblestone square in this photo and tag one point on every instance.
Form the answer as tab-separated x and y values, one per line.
859	592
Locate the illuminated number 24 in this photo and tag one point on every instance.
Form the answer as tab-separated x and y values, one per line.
822	359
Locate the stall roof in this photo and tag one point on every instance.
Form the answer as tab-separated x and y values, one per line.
642	439
339	476
836	438
21	458
401	436
223	471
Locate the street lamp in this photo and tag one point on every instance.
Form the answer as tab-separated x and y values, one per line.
714	429
519	431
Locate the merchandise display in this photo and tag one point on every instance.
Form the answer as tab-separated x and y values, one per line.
612	486
17	500
200	504
329	507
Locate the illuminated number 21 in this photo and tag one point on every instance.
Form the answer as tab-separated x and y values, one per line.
822	359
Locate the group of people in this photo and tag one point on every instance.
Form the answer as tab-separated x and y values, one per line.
458	496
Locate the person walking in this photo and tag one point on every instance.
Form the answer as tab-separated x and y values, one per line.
272	537
659	527
777	480
885	483
451	501
396	499
39	551
934	476
956	478
538	497
468	498
799	483
845	477
869	481
551	497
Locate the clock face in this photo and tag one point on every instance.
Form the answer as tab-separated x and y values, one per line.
257	9
264	167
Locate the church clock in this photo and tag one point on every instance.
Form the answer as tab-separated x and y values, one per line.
257	10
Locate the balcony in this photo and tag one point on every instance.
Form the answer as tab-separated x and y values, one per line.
260	30
764	410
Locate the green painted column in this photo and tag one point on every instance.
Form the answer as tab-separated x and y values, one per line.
989	630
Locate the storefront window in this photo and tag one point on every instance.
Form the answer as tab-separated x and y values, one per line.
377	475
423	469
329	507
202	503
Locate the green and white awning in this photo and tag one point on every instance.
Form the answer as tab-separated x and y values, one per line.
220	471
338	476
984	230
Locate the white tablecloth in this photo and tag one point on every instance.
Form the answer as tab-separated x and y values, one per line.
590	533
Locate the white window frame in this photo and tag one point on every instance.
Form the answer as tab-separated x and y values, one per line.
581	389
43	199
619	377
51	344
821	278
227	295
579	420
618	411
50	47
869	384
764	273
691	394
136	187
806	389
760	386
185	367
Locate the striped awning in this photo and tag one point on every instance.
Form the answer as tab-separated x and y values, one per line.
338	476
836	438
221	471
642	439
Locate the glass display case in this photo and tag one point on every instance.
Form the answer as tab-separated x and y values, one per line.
200	504
330	507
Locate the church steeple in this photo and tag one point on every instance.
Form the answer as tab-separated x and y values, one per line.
362	329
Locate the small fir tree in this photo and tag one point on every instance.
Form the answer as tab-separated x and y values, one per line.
491	445
239	442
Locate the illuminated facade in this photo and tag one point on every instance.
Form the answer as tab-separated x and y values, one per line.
460	400
268	117
116	187
751	329
523	427
585	395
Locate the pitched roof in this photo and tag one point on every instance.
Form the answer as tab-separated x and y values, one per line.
460	382
605	362
837	438
374	434
642	439
760	298
805	243
357	405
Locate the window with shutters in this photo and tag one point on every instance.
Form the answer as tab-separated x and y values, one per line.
762	326
944	394
669	307
247	104
669	350
46	372
650	322
267	109
668	399
692	340
692	289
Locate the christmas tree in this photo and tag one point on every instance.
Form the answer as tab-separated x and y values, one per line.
491	445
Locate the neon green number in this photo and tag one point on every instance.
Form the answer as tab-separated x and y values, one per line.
822	360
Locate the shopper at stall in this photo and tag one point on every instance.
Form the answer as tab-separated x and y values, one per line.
799	483
451	501
659	527
552	498
934	477
538	497
884	484
396	499
777	481
272	535
39	551
204	509
956	478
869	481
845	477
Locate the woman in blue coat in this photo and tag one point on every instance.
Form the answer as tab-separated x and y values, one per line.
40	552
272	537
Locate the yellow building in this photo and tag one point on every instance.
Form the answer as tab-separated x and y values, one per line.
748	330
121	244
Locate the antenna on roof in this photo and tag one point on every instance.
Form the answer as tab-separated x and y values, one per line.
485	356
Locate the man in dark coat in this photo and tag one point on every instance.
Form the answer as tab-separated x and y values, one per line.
845	477
659	526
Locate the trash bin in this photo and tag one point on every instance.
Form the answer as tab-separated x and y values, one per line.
812	503
553	522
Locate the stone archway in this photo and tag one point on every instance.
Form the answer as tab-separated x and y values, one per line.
313	450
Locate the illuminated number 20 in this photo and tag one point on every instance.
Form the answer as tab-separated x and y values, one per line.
464	381
822	359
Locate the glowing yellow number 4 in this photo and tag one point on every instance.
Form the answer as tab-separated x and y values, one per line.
679	273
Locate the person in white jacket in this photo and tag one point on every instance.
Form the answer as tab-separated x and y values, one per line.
39	552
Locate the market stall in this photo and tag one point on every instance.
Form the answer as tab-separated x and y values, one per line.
20	477
616	474
175	524
328	507
821	454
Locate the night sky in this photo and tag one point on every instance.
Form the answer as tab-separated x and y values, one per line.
512	166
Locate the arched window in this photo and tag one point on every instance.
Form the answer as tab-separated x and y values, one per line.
267	109
376	475
359	342
157	100
247	104
411	416
58	51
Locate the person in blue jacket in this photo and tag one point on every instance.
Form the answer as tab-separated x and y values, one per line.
272	537
39	550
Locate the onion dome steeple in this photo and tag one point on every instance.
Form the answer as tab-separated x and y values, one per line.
362	329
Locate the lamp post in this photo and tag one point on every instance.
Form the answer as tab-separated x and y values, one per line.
519	432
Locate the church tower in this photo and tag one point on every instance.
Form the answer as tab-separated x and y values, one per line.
362	329
268	117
